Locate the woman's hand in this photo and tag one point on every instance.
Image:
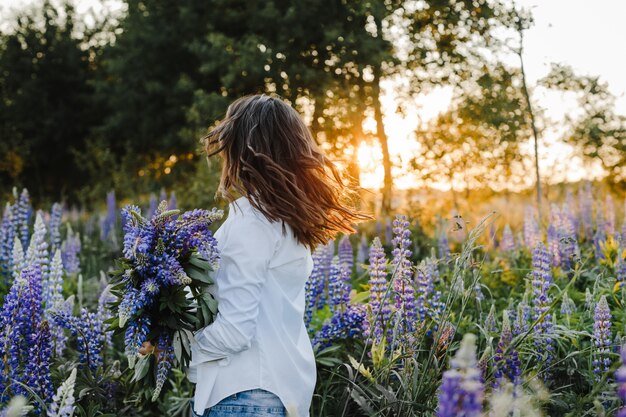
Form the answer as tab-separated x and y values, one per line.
147	348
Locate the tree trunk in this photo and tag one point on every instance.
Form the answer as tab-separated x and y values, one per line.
531	113
382	138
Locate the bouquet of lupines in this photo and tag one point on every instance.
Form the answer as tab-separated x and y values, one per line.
161	288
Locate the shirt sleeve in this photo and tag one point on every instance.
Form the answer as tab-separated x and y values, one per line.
244	258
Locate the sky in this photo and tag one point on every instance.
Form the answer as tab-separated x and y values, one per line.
587	35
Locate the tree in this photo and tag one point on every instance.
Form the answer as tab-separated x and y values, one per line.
46	110
598	132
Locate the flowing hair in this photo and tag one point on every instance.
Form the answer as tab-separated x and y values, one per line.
270	157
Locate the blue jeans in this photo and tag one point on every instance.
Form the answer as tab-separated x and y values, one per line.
251	403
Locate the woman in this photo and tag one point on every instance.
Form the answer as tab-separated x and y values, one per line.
285	198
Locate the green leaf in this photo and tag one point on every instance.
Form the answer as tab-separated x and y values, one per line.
178	346
198	274
200	263
141	368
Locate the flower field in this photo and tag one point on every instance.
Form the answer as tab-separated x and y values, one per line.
525	319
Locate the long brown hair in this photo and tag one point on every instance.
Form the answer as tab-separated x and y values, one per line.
270	157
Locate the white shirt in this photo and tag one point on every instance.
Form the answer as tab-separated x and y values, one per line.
258	339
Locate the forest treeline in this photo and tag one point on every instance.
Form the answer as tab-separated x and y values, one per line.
90	103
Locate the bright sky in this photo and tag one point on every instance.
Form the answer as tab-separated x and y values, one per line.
589	36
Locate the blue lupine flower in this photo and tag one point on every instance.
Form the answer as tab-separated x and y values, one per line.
52	288
153	205
585	199
342	325
462	391
532	234
443	244
362	254
388	234
601	338
568	211
506	358
346	256
37	368
54	225
600	234
7	236
136	333
553	246
620	269
18	258
379	311
541	283
164	363
22	218
404	293
338	288
108	222
315	286
70	248
89	333
507	244
19	322
620	378
428	300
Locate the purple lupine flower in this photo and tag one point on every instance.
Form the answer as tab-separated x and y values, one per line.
601	338
620	378
506	358
108	222
19	320
54	226
37	369
620	270
490	324
346	256
585	199
136	333
338	286
164	363
152	207
404	292
462	391
162	195
103	313
568	211
379	311
70	248
609	224
443	245
553	246
388	232
362	254
38	249
599	235
314	287
7	237
22	217
173	202
342	325
532	234
428	299
89	333
541	283
507	244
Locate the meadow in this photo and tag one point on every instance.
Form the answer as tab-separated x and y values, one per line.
406	319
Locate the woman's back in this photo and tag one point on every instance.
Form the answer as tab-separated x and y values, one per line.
259	339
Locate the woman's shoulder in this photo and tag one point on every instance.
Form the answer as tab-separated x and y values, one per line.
244	219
